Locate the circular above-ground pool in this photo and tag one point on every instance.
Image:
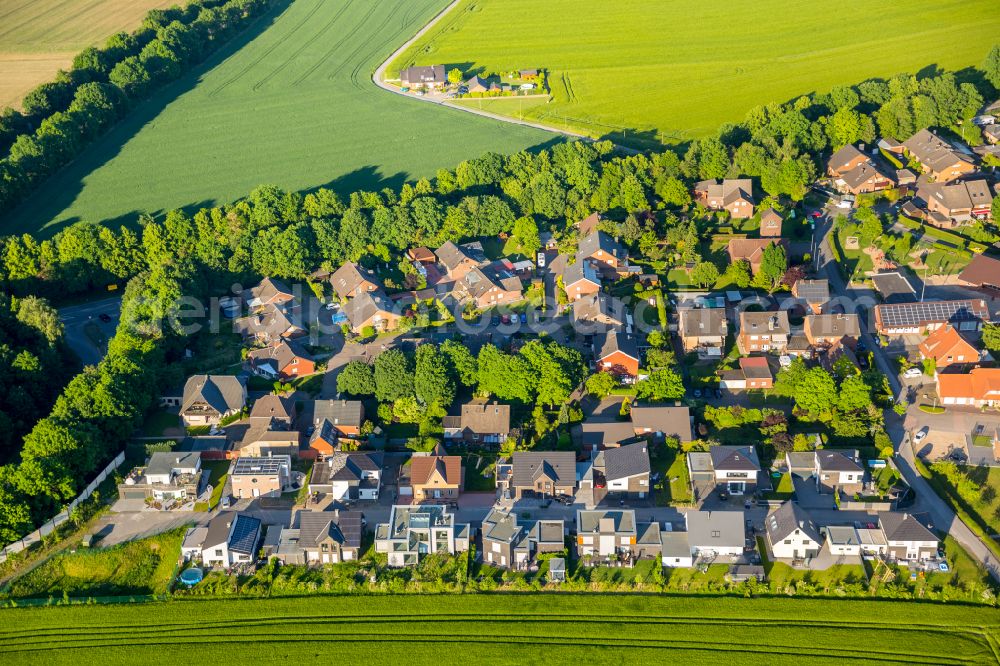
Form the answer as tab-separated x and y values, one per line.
191	576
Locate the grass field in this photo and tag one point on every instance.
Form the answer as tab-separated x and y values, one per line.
291	104
665	71
502	629
40	37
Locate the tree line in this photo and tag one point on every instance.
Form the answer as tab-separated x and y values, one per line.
62	117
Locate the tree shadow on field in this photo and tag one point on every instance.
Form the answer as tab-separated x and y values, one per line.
62	188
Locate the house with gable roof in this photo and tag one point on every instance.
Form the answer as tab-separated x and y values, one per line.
210	398
543	474
735	196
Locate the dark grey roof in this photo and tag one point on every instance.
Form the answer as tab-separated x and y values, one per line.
343	526
904	527
338	412
625	461
617	521
343	466
598	241
500	526
424	74
272	406
813	291
602	433
363	307
672	421
788	518
222	393
560	466
837	461
894	288
919	314
578	271
252	466
608	343
775	323
451	255
163	462
739	458
245	534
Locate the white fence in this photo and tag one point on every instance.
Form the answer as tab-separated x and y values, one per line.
46	529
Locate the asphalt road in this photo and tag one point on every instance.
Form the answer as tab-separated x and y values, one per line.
76	318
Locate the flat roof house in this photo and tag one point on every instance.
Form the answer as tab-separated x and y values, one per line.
614	534
210	398
792	534
904	318
513	544
168	475
415	531
260	477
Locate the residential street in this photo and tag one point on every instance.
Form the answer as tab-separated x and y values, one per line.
76	319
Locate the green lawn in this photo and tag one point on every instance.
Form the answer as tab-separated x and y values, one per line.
137	567
652	71
475	464
523	628
218	471
158	421
294	107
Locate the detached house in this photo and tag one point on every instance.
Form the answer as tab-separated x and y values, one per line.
284	361
617	353
480	422
980	387
853	172
709	534
792	534
946	346
982	272
168	475
260	477
210	398
272	411
269	292
371	309
269	325
457	260
348	476
231	539
763	332
514	544
815	293
601	248
351	280
703	330
487	286
329	537
598	312
733	196
939	160
588	225
580	280
436	478
731	469
838	470
754	374
625	469
824	331
907	538
662	421
430	76
543	474
751	250
614	534
770	224
415	531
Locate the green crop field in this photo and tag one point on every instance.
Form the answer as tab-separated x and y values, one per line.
505	629
291	104
651	71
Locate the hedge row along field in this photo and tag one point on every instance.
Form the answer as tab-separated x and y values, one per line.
289	102
668	71
501	629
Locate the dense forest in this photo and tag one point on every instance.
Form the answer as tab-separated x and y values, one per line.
290	234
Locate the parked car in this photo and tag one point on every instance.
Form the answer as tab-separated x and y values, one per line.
524	318
226	501
921	435
505	319
105	317
913	373
495	321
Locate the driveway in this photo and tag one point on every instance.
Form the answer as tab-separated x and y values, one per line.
809	497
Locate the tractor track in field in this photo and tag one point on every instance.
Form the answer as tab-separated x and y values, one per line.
267	51
333	49
305	45
363	60
360	61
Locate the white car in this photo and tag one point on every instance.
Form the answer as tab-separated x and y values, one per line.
913	373
333	306
921	435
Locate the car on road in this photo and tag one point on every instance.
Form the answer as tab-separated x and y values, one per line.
333	306
921	435
697	393
105	317
913	373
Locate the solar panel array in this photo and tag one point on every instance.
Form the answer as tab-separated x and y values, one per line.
244	537
248	465
915	314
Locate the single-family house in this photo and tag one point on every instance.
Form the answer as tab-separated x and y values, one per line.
270	324
602	434
853	172
436	478
352	280
947	346
978	388
598	312
824	331
625	469
618	353
264	442
269	292
735	196
615	534
169	475
918	318
272	411
421	255
457	260
231	539
662	421
770	224
763	332
423	77
908	538
372	309
703	330
580	279
333	419
588	225
751	250
488	286
838	471
283	361
543	474
814	293
951	204
983	272
348	476
480	422
601	248
514	544
845	159
938	159
210	398
792	534
477	84
754	374
260	477
707	535
415	531
735	468
329	537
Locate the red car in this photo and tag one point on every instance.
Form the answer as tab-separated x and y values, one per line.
816	213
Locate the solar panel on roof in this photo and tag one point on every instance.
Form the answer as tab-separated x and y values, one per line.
914	314
244	534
